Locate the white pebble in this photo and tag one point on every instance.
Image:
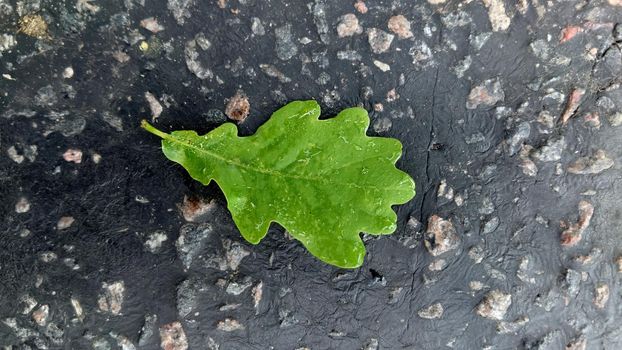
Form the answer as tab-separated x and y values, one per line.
68	73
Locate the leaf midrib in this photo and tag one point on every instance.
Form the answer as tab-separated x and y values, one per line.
269	172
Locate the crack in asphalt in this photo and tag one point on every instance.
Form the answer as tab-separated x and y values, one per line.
429	187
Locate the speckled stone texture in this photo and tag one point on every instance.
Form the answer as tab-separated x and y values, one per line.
509	112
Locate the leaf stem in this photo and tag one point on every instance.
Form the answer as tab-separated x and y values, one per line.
145	125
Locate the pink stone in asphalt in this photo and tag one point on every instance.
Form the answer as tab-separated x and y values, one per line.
572	104
400	26
73	155
348	26
569	33
573	234
360	6
173	337
238	107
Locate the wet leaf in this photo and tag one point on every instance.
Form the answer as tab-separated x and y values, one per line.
324	181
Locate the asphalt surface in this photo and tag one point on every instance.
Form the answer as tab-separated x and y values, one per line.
509	113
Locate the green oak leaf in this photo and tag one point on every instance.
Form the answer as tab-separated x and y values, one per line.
324	181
